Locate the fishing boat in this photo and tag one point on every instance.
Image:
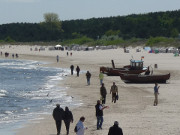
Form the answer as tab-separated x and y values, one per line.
135	67
138	78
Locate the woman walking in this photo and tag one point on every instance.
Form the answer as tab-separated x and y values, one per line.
68	117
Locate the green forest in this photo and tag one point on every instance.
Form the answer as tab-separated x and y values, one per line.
150	28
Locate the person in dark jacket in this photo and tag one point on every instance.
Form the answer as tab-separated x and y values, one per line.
77	70
68	117
88	76
72	69
103	93
115	129
58	115
99	114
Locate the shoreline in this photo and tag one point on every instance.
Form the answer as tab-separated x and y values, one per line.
134	110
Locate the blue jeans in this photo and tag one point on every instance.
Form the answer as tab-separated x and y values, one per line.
101	81
99	121
88	81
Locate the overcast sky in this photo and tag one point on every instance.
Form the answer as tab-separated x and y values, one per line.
31	11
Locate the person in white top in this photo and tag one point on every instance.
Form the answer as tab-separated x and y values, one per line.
80	126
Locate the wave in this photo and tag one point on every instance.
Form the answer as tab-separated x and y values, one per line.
3	93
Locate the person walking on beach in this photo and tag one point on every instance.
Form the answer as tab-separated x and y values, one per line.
17	55
68	117
57	58
80	126
156	93
67	53
101	77
114	91
77	70
58	115
72	69
99	114
115	129
103	93
88	76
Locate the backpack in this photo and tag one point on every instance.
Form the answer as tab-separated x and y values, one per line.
75	129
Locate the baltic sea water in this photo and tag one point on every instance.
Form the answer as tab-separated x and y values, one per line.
28	90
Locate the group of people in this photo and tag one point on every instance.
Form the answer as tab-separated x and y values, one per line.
6	54
68	53
57	57
15	55
113	90
99	107
59	114
77	70
115	129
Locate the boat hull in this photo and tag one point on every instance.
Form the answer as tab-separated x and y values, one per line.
133	78
118	71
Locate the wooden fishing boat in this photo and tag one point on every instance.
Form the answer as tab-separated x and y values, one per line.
135	67
138	78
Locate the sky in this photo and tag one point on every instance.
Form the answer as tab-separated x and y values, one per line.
32	11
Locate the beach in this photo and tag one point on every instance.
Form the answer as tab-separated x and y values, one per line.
134	110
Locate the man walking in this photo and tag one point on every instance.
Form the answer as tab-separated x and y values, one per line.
77	70
156	93
88	76
114	91
103	93
72	69
57	58
115	129
58	115
99	114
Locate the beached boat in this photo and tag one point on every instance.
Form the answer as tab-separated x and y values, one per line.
138	78
135	67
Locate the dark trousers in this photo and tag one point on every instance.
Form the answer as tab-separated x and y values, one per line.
88	81
114	97
58	126
99	122
67	124
71	72
104	99
77	73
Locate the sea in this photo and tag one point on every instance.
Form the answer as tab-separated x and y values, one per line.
28	90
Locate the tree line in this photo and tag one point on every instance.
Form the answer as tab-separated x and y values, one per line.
142	26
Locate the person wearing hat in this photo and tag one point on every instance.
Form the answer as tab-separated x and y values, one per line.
58	115
115	129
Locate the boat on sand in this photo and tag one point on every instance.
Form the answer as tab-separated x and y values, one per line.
138	78
135	67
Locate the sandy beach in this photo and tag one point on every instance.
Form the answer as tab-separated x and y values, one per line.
134	110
